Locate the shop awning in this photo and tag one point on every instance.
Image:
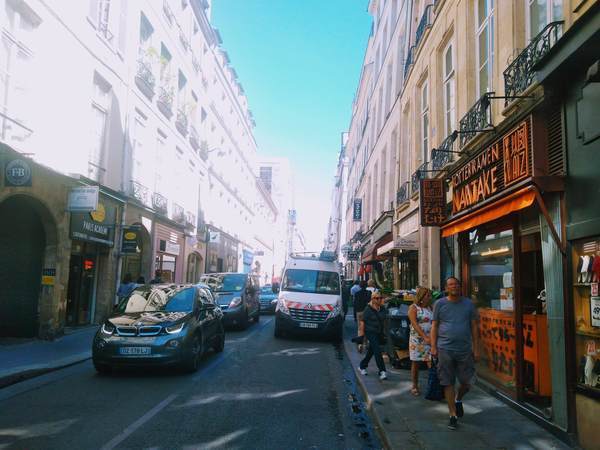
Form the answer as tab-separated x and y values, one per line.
511	203
370	254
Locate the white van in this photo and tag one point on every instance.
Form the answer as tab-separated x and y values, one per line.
310	297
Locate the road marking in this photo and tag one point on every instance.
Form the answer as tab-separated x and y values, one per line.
138	423
162	405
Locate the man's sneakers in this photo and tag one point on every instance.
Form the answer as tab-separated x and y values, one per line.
363	371
453	424
459	409
382	375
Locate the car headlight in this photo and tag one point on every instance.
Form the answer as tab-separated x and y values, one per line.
336	311
174	329
281	307
108	328
235	301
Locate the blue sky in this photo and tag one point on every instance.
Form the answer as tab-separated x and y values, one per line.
299	62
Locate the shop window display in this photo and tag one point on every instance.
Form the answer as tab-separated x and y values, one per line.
491	288
586	301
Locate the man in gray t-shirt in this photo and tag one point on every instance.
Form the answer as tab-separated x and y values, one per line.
454	341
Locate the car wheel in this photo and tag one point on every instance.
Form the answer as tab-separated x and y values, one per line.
191	365
103	369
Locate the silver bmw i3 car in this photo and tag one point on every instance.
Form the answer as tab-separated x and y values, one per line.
160	325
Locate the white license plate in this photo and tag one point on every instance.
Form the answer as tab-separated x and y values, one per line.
308	325
134	350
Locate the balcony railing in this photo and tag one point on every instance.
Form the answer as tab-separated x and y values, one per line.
181	122
408	61
144	78
184	40
139	192
165	101
478	118
178	214
168	13
440	156
195	63
194	138
190	219
159	203
415	184
403	193
519	75
424	23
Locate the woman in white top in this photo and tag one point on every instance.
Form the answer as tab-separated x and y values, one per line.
419	346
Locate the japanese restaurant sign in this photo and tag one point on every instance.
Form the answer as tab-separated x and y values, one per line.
500	165
432	199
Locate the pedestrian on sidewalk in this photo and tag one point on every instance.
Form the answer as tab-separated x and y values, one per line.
454	343
353	290
361	300
419	346
371	286
126	287
373	317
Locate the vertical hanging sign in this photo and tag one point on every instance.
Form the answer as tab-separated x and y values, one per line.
357	210
432	201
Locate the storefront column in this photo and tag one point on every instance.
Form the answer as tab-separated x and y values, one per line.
434	257
553	263
424	257
396	272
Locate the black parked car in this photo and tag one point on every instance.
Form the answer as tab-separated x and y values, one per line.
160	325
237	295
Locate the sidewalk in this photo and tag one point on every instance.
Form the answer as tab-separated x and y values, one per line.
20	361
408	422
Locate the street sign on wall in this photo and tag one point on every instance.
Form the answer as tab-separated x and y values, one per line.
17	173
357	210
83	199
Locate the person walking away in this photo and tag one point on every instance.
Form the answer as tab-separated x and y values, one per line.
454	343
157	278
361	299
353	290
371	285
419	345
373	317
126	287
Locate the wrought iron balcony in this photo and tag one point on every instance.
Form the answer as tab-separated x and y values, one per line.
403	194
190	219
478	118
184	40
144	78
415	184
168	13
181	122
165	101
440	156
194	138
519	75
424	23
159	203
408	61
178	214
139	191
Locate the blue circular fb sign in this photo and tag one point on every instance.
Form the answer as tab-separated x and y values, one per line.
18	173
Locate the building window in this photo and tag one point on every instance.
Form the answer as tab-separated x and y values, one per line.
100	15
181	91
424	123
146	32
165	65
485	45
449	86
100	108
540	13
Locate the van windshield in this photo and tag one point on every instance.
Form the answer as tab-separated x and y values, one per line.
224	282
311	281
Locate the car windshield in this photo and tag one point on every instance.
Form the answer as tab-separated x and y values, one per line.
311	281
167	299
266	290
224	282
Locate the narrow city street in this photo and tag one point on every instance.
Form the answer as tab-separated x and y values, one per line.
261	392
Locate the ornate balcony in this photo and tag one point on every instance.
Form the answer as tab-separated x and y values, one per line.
478	118
403	194
181	122
139	192
159	203
519	75
194	138
415	184
178	214
168	13
165	101
144	78
440	156
424	23
190	219
184	40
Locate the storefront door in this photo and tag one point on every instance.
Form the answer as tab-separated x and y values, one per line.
82	274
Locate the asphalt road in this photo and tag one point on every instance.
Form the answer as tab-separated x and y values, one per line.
260	393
